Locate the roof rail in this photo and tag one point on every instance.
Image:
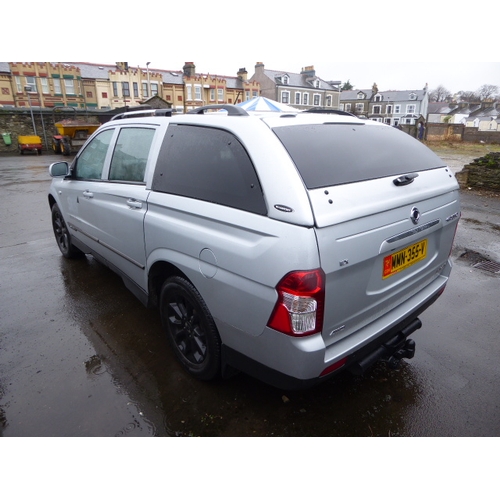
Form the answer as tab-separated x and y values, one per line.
231	109
144	112
329	111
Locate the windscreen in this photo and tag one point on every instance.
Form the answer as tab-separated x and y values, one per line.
328	154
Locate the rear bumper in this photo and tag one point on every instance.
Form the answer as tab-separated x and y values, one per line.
358	359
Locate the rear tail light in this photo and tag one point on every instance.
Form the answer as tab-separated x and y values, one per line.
300	305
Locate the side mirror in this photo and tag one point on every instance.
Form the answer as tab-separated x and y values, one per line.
59	169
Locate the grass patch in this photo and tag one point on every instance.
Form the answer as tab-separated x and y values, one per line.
464	148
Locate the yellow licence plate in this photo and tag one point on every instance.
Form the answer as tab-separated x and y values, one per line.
405	258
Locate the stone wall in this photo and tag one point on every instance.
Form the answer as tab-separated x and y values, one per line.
453	132
483	173
17	122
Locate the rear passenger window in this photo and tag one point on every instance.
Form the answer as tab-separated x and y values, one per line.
208	164
131	154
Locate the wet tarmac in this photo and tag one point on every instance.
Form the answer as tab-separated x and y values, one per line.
80	356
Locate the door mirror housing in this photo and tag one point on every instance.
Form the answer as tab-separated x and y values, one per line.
59	169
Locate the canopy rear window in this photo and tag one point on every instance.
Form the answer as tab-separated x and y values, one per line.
329	154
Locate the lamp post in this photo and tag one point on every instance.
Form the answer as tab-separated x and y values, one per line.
149	83
28	90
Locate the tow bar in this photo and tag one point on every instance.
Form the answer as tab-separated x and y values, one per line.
392	351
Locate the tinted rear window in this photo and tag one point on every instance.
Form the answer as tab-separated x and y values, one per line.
328	154
208	164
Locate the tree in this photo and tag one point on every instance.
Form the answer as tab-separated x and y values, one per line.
440	94
347	86
468	96
487	92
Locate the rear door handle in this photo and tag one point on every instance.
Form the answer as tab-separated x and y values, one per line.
134	203
87	194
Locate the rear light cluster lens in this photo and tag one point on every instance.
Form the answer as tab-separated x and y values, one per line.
300	305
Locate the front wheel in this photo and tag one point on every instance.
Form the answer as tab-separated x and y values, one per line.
63	238
190	328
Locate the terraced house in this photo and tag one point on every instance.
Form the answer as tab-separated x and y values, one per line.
392	107
103	87
304	90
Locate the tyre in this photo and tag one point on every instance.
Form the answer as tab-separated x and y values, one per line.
63	238
65	147
190	328
56	146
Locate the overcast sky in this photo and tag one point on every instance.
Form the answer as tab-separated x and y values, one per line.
363	43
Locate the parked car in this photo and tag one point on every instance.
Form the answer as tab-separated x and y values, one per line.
287	246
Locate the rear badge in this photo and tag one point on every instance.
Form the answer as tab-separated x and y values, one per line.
415	215
283	208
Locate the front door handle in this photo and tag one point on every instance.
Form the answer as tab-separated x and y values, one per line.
134	203
88	194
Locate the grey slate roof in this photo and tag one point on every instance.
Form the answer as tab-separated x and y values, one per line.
387	95
297	79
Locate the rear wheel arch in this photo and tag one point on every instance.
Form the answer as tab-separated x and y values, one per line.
159	272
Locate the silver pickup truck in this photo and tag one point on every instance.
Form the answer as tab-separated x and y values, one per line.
288	246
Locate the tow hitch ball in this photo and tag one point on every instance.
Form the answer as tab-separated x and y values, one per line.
407	351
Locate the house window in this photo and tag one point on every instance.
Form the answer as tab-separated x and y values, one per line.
285	97
189	93
154	89
378	98
317	100
305	99
197	92
19	87
220	95
104	95
360	107
377	109
89	95
212	95
31	82
413	96
348	106
45	85
69	85
388	109
397	109
341	106
115	89
316	84
136	89
297	97
328	100
254	93
145	91
125	89
57	86
285	79
361	95
410	109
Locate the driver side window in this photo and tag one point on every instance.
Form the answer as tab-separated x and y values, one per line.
91	162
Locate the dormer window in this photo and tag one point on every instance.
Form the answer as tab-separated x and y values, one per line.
285	79
316	83
413	96
361	95
378	98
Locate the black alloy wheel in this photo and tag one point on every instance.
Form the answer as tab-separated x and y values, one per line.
190	328
62	235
